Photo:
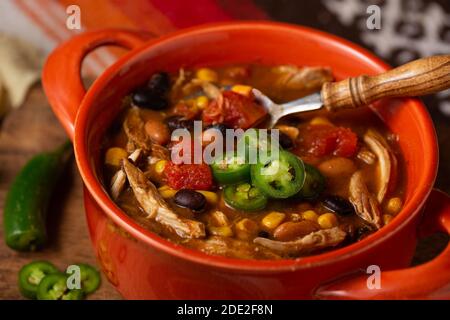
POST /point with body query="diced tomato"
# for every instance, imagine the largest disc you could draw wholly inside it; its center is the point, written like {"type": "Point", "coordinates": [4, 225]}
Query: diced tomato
{"type": "Point", "coordinates": [322, 140]}
{"type": "Point", "coordinates": [186, 111]}
{"type": "Point", "coordinates": [188, 176]}
{"type": "Point", "coordinates": [234, 110]}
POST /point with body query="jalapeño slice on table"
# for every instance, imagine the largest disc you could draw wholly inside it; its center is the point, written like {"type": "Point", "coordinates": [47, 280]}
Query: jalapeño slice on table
{"type": "Point", "coordinates": [31, 275]}
{"type": "Point", "coordinates": [54, 287]}
{"type": "Point", "coordinates": [90, 278]}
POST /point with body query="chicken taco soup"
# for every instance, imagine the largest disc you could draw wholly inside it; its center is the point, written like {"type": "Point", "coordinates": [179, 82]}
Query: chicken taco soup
{"type": "Point", "coordinates": [190, 158]}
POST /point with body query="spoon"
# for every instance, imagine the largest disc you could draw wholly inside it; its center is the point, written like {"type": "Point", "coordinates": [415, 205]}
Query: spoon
{"type": "Point", "coordinates": [416, 78]}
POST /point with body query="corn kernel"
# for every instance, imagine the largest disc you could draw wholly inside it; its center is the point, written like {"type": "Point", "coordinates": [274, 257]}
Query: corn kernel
{"type": "Point", "coordinates": [327, 220]}
{"type": "Point", "coordinates": [290, 131]}
{"type": "Point", "coordinates": [246, 229]}
{"type": "Point", "coordinates": [206, 74]}
{"type": "Point", "coordinates": [164, 188]}
{"type": "Point", "coordinates": [320, 121]}
{"type": "Point", "coordinates": [160, 165]}
{"type": "Point", "coordinates": [218, 219]}
{"type": "Point", "coordinates": [273, 219]}
{"type": "Point", "coordinates": [225, 231]}
{"type": "Point", "coordinates": [115, 155]}
{"type": "Point", "coordinates": [246, 224]}
{"type": "Point", "coordinates": [210, 196]}
{"type": "Point", "coordinates": [202, 102]}
{"type": "Point", "coordinates": [387, 218]}
{"type": "Point", "coordinates": [242, 89]}
{"type": "Point", "coordinates": [394, 205]}
{"type": "Point", "coordinates": [166, 192]}
{"type": "Point", "coordinates": [310, 215]}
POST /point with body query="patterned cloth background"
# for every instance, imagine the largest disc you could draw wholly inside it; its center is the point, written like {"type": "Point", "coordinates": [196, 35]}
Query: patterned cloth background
{"type": "Point", "coordinates": [409, 29]}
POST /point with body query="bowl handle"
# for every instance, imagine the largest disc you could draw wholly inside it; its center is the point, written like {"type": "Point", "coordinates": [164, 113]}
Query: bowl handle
{"type": "Point", "coordinates": [61, 76]}
{"type": "Point", "coordinates": [430, 280]}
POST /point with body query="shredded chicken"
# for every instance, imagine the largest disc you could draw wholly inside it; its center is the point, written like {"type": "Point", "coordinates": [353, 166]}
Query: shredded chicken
{"type": "Point", "coordinates": [138, 138]}
{"type": "Point", "coordinates": [307, 244]}
{"type": "Point", "coordinates": [303, 80]}
{"type": "Point", "coordinates": [365, 203]}
{"type": "Point", "coordinates": [218, 219]}
{"type": "Point", "coordinates": [208, 88]}
{"type": "Point", "coordinates": [157, 208]}
{"type": "Point", "coordinates": [232, 248]}
{"type": "Point", "coordinates": [180, 80]}
{"type": "Point", "coordinates": [367, 156]}
{"type": "Point", "coordinates": [117, 184]}
{"type": "Point", "coordinates": [387, 162]}
{"type": "Point", "coordinates": [152, 160]}
{"type": "Point", "coordinates": [119, 178]}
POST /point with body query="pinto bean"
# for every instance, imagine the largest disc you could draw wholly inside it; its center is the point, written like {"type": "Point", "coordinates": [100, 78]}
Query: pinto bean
{"type": "Point", "coordinates": [157, 131]}
{"type": "Point", "coordinates": [290, 231]}
{"type": "Point", "coordinates": [337, 167]}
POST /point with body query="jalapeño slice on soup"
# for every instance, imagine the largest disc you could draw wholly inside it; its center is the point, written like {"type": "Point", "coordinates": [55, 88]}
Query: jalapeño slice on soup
{"type": "Point", "coordinates": [230, 169]}
{"type": "Point", "coordinates": [245, 197]}
{"type": "Point", "coordinates": [279, 177]}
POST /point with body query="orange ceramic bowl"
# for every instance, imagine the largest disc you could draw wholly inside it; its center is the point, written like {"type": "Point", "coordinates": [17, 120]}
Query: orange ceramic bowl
{"type": "Point", "coordinates": [142, 265]}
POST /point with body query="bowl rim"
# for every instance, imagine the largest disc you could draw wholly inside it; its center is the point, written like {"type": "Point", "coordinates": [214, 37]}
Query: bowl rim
{"type": "Point", "coordinates": [102, 199]}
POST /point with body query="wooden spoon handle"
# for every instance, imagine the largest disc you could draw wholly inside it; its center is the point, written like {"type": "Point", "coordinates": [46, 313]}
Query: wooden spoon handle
{"type": "Point", "coordinates": [416, 78]}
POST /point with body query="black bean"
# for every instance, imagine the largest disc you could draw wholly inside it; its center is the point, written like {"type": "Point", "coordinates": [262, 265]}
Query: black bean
{"type": "Point", "coordinates": [285, 141]}
{"type": "Point", "coordinates": [355, 232]}
{"type": "Point", "coordinates": [190, 199]}
{"type": "Point", "coordinates": [350, 230]}
{"type": "Point", "coordinates": [263, 234]}
{"type": "Point", "coordinates": [159, 83]}
{"type": "Point", "coordinates": [338, 204]}
{"type": "Point", "coordinates": [363, 232]}
{"type": "Point", "coordinates": [146, 98]}
{"type": "Point", "coordinates": [178, 122]}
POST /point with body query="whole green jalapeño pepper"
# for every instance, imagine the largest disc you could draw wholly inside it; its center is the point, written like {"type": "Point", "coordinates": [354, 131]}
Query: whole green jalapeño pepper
{"type": "Point", "coordinates": [26, 205]}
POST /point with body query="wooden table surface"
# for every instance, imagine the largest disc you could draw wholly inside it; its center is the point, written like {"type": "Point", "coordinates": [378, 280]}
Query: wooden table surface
{"type": "Point", "coordinates": [33, 128]}
{"type": "Point", "coordinates": [30, 129]}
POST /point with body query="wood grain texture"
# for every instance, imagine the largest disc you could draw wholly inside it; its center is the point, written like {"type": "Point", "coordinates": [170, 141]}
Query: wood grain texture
{"type": "Point", "coordinates": [33, 128]}
{"type": "Point", "coordinates": [417, 78]}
